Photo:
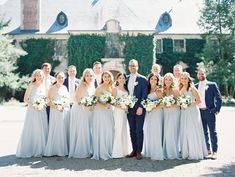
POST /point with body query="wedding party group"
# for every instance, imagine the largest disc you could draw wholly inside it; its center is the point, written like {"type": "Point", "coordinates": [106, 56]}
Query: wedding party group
{"type": "Point", "coordinates": [97, 117]}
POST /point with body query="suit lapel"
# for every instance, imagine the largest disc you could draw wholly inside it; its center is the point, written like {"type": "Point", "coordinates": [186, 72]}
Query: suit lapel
{"type": "Point", "coordinates": [136, 81]}
{"type": "Point", "coordinates": [67, 83]}
{"type": "Point", "coordinates": [127, 81]}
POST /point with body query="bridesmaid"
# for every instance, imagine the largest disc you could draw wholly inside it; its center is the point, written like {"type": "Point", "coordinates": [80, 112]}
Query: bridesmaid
{"type": "Point", "coordinates": [80, 125]}
{"type": "Point", "coordinates": [192, 140]}
{"type": "Point", "coordinates": [120, 144]}
{"type": "Point", "coordinates": [57, 143]}
{"type": "Point", "coordinates": [171, 116]}
{"type": "Point", "coordinates": [34, 135]}
{"type": "Point", "coordinates": [103, 125]}
{"type": "Point", "coordinates": [153, 124]}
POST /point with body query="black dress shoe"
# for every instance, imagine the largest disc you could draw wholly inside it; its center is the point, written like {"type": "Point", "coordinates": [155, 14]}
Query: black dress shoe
{"type": "Point", "coordinates": [132, 154]}
{"type": "Point", "coordinates": [139, 156]}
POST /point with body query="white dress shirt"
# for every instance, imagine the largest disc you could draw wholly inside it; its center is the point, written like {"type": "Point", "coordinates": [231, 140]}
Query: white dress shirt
{"type": "Point", "coordinates": [131, 83]}
{"type": "Point", "coordinates": [202, 91]}
{"type": "Point", "coordinates": [47, 83]}
{"type": "Point", "coordinates": [71, 86]}
{"type": "Point", "coordinates": [98, 79]}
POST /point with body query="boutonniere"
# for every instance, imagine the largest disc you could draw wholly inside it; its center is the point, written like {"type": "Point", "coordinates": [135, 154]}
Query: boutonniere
{"type": "Point", "coordinates": [136, 83]}
{"type": "Point", "coordinates": [206, 87]}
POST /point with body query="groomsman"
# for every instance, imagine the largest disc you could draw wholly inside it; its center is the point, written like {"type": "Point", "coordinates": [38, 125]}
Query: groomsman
{"type": "Point", "coordinates": [97, 68]}
{"type": "Point", "coordinates": [177, 71]}
{"type": "Point", "coordinates": [156, 70]}
{"type": "Point", "coordinates": [209, 108]}
{"type": "Point", "coordinates": [47, 81]}
{"type": "Point", "coordinates": [137, 85]}
{"type": "Point", "coordinates": [71, 82]}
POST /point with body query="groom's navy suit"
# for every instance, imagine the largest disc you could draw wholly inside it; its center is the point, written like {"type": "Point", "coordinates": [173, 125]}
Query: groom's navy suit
{"type": "Point", "coordinates": [136, 122]}
{"type": "Point", "coordinates": [213, 103]}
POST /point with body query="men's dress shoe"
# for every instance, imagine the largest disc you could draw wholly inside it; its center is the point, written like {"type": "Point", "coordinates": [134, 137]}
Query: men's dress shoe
{"type": "Point", "coordinates": [132, 154]}
{"type": "Point", "coordinates": [209, 154]}
{"type": "Point", "coordinates": [139, 156]}
{"type": "Point", "coordinates": [214, 156]}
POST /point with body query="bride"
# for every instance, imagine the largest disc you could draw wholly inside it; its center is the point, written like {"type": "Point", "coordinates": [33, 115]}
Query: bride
{"type": "Point", "coordinates": [120, 144]}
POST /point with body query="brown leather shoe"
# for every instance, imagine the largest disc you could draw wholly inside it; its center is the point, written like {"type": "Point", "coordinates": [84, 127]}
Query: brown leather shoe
{"type": "Point", "coordinates": [209, 152]}
{"type": "Point", "coordinates": [132, 154]}
{"type": "Point", "coordinates": [139, 156]}
{"type": "Point", "coordinates": [214, 156]}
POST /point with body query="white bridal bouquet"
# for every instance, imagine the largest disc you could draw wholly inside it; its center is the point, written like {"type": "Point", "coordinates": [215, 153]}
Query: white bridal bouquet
{"type": "Point", "coordinates": [40, 103]}
{"type": "Point", "coordinates": [149, 104]}
{"type": "Point", "coordinates": [88, 100]}
{"type": "Point", "coordinates": [106, 98]}
{"type": "Point", "coordinates": [126, 101]}
{"type": "Point", "coordinates": [168, 100]}
{"type": "Point", "coordinates": [62, 103]}
{"type": "Point", "coordinates": [184, 101]}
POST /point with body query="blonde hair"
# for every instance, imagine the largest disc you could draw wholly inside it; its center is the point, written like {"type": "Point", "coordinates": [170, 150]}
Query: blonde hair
{"type": "Point", "coordinates": [111, 76]}
{"type": "Point", "coordinates": [35, 73]}
{"type": "Point", "coordinates": [173, 81]}
{"type": "Point", "coordinates": [189, 82]}
{"type": "Point", "coordinates": [84, 74]}
{"type": "Point", "coordinates": [134, 61]}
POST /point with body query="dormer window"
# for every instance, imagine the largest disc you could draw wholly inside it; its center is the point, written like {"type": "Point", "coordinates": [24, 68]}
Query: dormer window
{"type": "Point", "coordinates": [61, 18]}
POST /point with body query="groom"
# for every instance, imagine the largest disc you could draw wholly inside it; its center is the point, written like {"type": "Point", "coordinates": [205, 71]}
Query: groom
{"type": "Point", "coordinates": [137, 85]}
{"type": "Point", "coordinates": [209, 108]}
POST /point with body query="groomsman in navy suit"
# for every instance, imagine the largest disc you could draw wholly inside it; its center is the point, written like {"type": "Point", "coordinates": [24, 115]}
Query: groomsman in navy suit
{"type": "Point", "coordinates": [209, 108]}
{"type": "Point", "coordinates": [136, 85]}
{"type": "Point", "coordinates": [71, 82]}
{"type": "Point", "coordinates": [97, 68]}
{"type": "Point", "coordinates": [48, 81]}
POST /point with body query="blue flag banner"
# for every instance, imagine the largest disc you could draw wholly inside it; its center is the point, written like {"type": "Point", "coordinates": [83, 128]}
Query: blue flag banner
{"type": "Point", "coordinates": [164, 23]}
{"type": "Point", "coordinates": [94, 2]}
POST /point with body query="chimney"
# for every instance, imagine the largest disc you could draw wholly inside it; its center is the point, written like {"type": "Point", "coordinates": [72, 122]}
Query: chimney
{"type": "Point", "coordinates": [30, 14]}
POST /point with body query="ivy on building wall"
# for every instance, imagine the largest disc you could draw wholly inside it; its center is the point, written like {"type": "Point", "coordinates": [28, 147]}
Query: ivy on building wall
{"type": "Point", "coordinates": [84, 49]}
{"type": "Point", "coordinates": [139, 47]}
{"type": "Point", "coordinates": [39, 51]}
{"type": "Point", "coordinates": [169, 58]}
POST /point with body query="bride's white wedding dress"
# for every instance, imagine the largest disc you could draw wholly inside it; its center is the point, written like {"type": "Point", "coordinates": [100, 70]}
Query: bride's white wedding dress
{"type": "Point", "coordinates": [121, 143]}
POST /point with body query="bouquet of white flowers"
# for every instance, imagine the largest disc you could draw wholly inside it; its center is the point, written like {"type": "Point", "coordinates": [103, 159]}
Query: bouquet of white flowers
{"type": "Point", "coordinates": [40, 103]}
{"type": "Point", "coordinates": [62, 103]}
{"type": "Point", "coordinates": [149, 104]}
{"type": "Point", "coordinates": [88, 100]}
{"type": "Point", "coordinates": [184, 101]}
{"type": "Point", "coordinates": [106, 98]}
{"type": "Point", "coordinates": [126, 101]}
{"type": "Point", "coordinates": [168, 100]}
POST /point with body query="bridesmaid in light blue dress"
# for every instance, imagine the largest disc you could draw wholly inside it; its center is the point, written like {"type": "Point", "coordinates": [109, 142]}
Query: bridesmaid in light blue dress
{"type": "Point", "coordinates": [34, 135]}
{"type": "Point", "coordinates": [80, 119]}
{"type": "Point", "coordinates": [103, 124]}
{"type": "Point", "coordinates": [57, 143]}
{"type": "Point", "coordinates": [153, 123]}
{"type": "Point", "coordinates": [171, 116]}
{"type": "Point", "coordinates": [192, 140]}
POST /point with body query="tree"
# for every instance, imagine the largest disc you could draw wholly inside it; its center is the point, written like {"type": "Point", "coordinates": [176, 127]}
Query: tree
{"type": "Point", "coordinates": [218, 21]}
{"type": "Point", "coordinates": [10, 80]}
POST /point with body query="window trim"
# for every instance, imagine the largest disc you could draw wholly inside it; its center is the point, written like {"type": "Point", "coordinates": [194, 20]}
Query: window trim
{"type": "Point", "coordinates": [183, 49]}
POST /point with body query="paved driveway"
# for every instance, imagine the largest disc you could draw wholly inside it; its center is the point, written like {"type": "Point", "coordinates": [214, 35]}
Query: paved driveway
{"type": "Point", "coordinates": [11, 122]}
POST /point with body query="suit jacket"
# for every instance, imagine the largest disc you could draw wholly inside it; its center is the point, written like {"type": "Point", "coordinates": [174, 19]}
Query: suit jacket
{"type": "Point", "coordinates": [212, 96]}
{"type": "Point", "coordinates": [140, 90]}
{"type": "Point", "coordinates": [66, 82]}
